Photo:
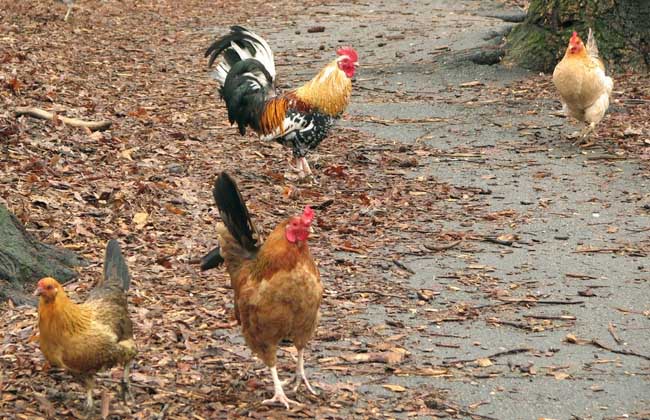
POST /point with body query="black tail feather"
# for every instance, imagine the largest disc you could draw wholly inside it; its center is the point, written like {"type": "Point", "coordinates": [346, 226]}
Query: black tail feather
{"type": "Point", "coordinates": [115, 268]}
{"type": "Point", "coordinates": [238, 36]}
{"type": "Point", "coordinates": [235, 217]}
{"type": "Point", "coordinates": [234, 212]}
{"type": "Point", "coordinates": [212, 260]}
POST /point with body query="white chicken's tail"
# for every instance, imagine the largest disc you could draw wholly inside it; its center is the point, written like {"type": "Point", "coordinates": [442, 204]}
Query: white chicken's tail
{"type": "Point", "coordinates": [592, 48]}
{"type": "Point", "coordinates": [240, 45]}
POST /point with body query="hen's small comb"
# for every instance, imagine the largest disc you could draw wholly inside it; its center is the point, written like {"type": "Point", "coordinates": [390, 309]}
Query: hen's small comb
{"type": "Point", "coordinates": [307, 215]}
{"type": "Point", "coordinates": [350, 52]}
{"type": "Point", "coordinates": [575, 38]}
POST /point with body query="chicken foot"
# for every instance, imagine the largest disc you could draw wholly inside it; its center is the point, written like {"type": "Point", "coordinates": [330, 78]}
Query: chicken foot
{"type": "Point", "coordinates": [300, 374]}
{"type": "Point", "coordinates": [279, 396]}
{"type": "Point", "coordinates": [302, 167]}
{"type": "Point", "coordinates": [305, 166]}
{"type": "Point", "coordinates": [585, 134]}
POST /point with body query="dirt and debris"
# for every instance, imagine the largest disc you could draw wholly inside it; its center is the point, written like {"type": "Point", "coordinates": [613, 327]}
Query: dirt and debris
{"type": "Point", "coordinates": [476, 264]}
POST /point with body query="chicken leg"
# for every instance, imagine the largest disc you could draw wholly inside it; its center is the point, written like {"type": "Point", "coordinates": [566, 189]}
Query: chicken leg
{"type": "Point", "coordinates": [298, 168]}
{"type": "Point", "coordinates": [300, 374]}
{"type": "Point", "coordinates": [68, 3]}
{"type": "Point", "coordinates": [305, 166]}
{"type": "Point", "coordinates": [89, 383]}
{"type": "Point", "coordinates": [585, 134]}
{"type": "Point", "coordinates": [302, 167]}
{"type": "Point", "coordinates": [279, 396]}
{"type": "Point", "coordinates": [126, 384]}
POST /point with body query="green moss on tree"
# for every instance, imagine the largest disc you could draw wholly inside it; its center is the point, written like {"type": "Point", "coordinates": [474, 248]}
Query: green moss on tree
{"type": "Point", "coordinates": [621, 28]}
{"type": "Point", "coordinates": [24, 260]}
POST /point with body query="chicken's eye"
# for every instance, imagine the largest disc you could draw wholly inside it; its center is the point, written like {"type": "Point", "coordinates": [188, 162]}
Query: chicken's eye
{"type": "Point", "coordinates": [50, 287]}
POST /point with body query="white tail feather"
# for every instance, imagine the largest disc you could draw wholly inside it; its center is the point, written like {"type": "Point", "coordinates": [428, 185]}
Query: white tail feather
{"type": "Point", "coordinates": [592, 48]}
{"type": "Point", "coordinates": [262, 53]}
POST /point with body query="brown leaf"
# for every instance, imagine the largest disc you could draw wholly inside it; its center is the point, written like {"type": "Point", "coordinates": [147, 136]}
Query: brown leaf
{"type": "Point", "coordinates": [46, 406]}
{"type": "Point", "coordinates": [484, 362]}
{"type": "Point", "coordinates": [140, 220]}
{"type": "Point", "coordinates": [560, 376]}
{"type": "Point", "coordinates": [335, 171]}
{"type": "Point", "coordinates": [395, 388]}
{"type": "Point", "coordinates": [389, 357]}
{"type": "Point", "coordinates": [175, 210]}
{"type": "Point", "coordinates": [14, 85]}
{"type": "Point", "coordinates": [165, 262]}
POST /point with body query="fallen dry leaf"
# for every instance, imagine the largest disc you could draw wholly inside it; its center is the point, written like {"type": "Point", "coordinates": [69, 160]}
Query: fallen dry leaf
{"type": "Point", "coordinates": [395, 388]}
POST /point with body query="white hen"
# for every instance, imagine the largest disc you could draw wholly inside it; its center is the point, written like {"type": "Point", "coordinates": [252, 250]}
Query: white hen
{"type": "Point", "coordinates": [583, 86]}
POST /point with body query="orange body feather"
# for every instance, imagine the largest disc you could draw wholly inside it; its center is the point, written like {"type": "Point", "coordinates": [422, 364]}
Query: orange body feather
{"type": "Point", "coordinates": [328, 92]}
{"type": "Point", "coordinates": [95, 335]}
{"type": "Point", "coordinates": [278, 290]}
{"type": "Point", "coordinates": [581, 81]}
{"type": "Point", "coordinates": [85, 338]}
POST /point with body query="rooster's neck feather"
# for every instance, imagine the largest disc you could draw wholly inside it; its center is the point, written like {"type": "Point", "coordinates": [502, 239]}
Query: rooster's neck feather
{"type": "Point", "coordinates": [329, 91]}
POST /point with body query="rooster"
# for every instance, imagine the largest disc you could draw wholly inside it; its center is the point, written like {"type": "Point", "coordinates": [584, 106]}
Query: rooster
{"type": "Point", "coordinates": [97, 334]}
{"type": "Point", "coordinates": [300, 118]}
{"type": "Point", "coordinates": [584, 88]}
{"type": "Point", "coordinates": [277, 285]}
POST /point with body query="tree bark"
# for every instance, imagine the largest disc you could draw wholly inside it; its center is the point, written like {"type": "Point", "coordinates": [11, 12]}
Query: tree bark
{"type": "Point", "coordinates": [25, 260]}
{"type": "Point", "coordinates": [621, 28]}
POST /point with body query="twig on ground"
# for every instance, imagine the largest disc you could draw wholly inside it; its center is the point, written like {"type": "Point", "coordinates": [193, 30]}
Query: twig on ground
{"type": "Point", "coordinates": [162, 413]}
{"type": "Point", "coordinates": [402, 266]}
{"type": "Point", "coordinates": [354, 292]}
{"type": "Point", "coordinates": [436, 403]}
{"type": "Point", "coordinates": [625, 352]}
{"type": "Point", "coordinates": [493, 356]}
{"type": "Point", "coordinates": [553, 317]}
{"type": "Point", "coordinates": [498, 241]}
{"type": "Point", "coordinates": [511, 323]}
{"type": "Point", "coordinates": [41, 114]}
{"type": "Point", "coordinates": [612, 331]}
{"type": "Point", "coordinates": [442, 247]}
{"type": "Point", "coordinates": [543, 302]}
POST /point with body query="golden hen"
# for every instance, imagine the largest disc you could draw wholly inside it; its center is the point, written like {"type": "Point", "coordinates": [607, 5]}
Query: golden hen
{"type": "Point", "coordinates": [583, 86]}
{"type": "Point", "coordinates": [277, 285]}
{"type": "Point", "coordinates": [92, 336]}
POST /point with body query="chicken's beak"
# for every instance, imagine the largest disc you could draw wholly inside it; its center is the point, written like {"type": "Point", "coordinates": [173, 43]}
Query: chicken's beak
{"type": "Point", "coordinates": [38, 292]}
{"type": "Point", "coordinates": [311, 229]}
{"type": "Point", "coordinates": [356, 64]}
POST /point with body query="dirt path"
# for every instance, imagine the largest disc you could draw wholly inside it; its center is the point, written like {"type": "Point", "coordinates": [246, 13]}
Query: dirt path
{"type": "Point", "coordinates": [470, 253]}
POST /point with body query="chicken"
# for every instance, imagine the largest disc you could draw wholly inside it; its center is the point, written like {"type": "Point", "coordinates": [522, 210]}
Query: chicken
{"type": "Point", "coordinates": [95, 335]}
{"type": "Point", "coordinates": [584, 88]}
{"type": "Point", "coordinates": [300, 118]}
{"type": "Point", "coordinates": [277, 285]}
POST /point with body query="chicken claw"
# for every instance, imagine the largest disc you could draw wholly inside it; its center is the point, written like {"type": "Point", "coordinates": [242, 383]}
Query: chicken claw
{"type": "Point", "coordinates": [282, 399]}
{"type": "Point", "coordinates": [584, 136]}
{"type": "Point", "coordinates": [300, 375]}
{"type": "Point", "coordinates": [279, 396]}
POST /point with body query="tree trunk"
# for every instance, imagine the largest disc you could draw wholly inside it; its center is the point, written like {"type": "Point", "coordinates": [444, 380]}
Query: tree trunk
{"type": "Point", "coordinates": [25, 260]}
{"type": "Point", "coordinates": [621, 28]}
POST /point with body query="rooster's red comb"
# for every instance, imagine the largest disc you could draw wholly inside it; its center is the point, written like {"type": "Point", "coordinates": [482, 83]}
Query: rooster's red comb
{"type": "Point", "coordinates": [350, 52]}
{"type": "Point", "coordinates": [307, 215]}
